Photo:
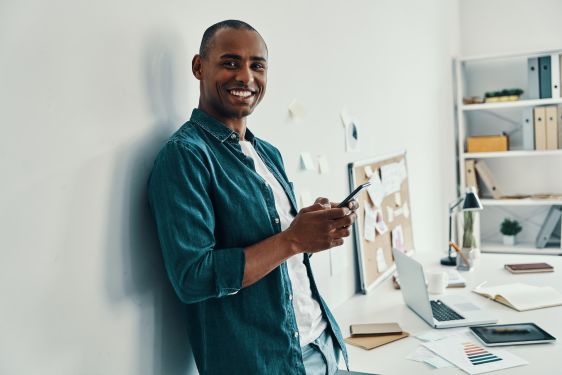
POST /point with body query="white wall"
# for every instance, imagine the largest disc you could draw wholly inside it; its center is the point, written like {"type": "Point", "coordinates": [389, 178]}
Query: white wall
{"type": "Point", "coordinates": [509, 26]}
{"type": "Point", "coordinates": [90, 90]}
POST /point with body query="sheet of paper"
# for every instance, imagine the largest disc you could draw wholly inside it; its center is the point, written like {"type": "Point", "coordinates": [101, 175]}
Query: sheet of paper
{"type": "Point", "coordinates": [323, 165]}
{"type": "Point", "coordinates": [392, 177]}
{"type": "Point", "coordinates": [397, 199]}
{"type": "Point", "coordinates": [376, 191]}
{"type": "Point", "coordinates": [430, 336]}
{"type": "Point", "coordinates": [352, 137]}
{"type": "Point", "coordinates": [307, 163]}
{"type": "Point", "coordinates": [438, 362]}
{"type": "Point", "coordinates": [305, 199]}
{"type": "Point", "coordinates": [296, 110]}
{"type": "Point", "coordinates": [464, 352]}
{"type": "Point", "coordinates": [422, 354]}
{"type": "Point", "coordinates": [369, 229]}
{"type": "Point", "coordinates": [381, 262]}
{"type": "Point", "coordinates": [368, 171]}
{"type": "Point", "coordinates": [380, 225]}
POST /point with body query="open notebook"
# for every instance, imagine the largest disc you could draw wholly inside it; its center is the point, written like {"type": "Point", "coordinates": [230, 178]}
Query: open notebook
{"type": "Point", "coordinates": [521, 297]}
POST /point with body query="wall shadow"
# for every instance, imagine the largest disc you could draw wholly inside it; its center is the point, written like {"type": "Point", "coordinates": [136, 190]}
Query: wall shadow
{"type": "Point", "coordinates": [135, 268]}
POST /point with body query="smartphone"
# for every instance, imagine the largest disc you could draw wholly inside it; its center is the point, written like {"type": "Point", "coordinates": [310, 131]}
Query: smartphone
{"type": "Point", "coordinates": [354, 193]}
{"type": "Point", "coordinates": [375, 329]}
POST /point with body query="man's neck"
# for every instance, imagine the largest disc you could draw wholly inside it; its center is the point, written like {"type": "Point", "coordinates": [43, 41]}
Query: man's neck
{"type": "Point", "coordinates": [236, 124]}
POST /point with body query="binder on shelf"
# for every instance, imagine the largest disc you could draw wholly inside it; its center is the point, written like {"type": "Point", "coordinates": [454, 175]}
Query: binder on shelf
{"type": "Point", "coordinates": [545, 78]}
{"type": "Point", "coordinates": [488, 179]}
{"type": "Point", "coordinates": [559, 122]}
{"type": "Point", "coordinates": [555, 71]}
{"type": "Point", "coordinates": [551, 118]}
{"type": "Point", "coordinates": [540, 128]}
{"type": "Point", "coordinates": [549, 226]}
{"type": "Point", "coordinates": [528, 128]}
{"type": "Point", "coordinates": [533, 78]}
{"type": "Point", "coordinates": [470, 174]}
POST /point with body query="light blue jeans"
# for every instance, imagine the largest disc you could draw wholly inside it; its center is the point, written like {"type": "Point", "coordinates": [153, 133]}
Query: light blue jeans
{"type": "Point", "coordinates": [321, 356]}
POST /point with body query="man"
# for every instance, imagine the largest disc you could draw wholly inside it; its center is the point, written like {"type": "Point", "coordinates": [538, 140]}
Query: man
{"type": "Point", "coordinates": [235, 249]}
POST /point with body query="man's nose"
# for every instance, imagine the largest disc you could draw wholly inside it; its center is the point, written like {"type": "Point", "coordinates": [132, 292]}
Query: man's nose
{"type": "Point", "coordinates": [245, 74]}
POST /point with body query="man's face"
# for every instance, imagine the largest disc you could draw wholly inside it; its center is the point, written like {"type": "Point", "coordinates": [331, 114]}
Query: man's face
{"type": "Point", "coordinates": [233, 75]}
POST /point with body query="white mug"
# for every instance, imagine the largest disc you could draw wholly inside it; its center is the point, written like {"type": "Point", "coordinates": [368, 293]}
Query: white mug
{"type": "Point", "coordinates": [437, 282]}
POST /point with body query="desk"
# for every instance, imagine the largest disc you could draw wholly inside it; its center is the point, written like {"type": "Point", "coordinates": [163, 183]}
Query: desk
{"type": "Point", "coordinates": [385, 304]}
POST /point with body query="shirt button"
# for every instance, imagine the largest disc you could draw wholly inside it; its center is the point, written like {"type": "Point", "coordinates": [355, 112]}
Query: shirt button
{"type": "Point", "coordinates": [233, 136]}
{"type": "Point", "coordinates": [276, 220]}
{"type": "Point", "coordinates": [296, 334]}
{"type": "Point", "coordinates": [290, 297]}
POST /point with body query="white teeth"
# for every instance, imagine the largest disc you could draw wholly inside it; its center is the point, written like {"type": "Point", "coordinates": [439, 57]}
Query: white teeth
{"type": "Point", "coordinates": [242, 94]}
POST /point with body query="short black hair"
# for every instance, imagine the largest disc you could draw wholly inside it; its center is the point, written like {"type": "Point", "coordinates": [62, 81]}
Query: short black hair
{"type": "Point", "coordinates": [208, 35]}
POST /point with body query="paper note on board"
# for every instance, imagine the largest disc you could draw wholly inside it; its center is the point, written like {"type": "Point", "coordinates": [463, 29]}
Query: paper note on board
{"type": "Point", "coordinates": [376, 191]}
{"type": "Point", "coordinates": [380, 225]}
{"type": "Point", "coordinates": [398, 238]}
{"type": "Point", "coordinates": [397, 199]}
{"type": "Point", "coordinates": [390, 214]}
{"type": "Point", "coordinates": [368, 171]}
{"type": "Point", "coordinates": [406, 210]}
{"type": "Point", "coordinates": [392, 176]}
{"type": "Point", "coordinates": [369, 229]}
{"type": "Point", "coordinates": [381, 262]}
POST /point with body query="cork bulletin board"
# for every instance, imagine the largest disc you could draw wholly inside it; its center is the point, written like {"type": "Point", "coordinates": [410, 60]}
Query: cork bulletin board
{"type": "Point", "coordinates": [384, 217]}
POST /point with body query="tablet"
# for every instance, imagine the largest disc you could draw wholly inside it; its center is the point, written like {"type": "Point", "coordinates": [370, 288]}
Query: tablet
{"type": "Point", "coordinates": [511, 334]}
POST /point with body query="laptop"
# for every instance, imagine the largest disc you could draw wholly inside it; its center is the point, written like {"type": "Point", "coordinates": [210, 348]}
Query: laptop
{"type": "Point", "coordinates": [445, 312]}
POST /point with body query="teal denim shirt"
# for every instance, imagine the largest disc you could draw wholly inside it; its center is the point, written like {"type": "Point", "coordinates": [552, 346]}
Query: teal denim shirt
{"type": "Point", "coordinates": [209, 204]}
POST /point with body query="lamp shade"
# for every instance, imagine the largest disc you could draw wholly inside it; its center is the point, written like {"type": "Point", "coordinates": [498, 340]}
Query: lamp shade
{"type": "Point", "coordinates": [471, 201]}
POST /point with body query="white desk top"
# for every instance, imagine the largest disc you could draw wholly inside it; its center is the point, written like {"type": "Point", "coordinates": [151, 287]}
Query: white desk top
{"type": "Point", "coordinates": [385, 304]}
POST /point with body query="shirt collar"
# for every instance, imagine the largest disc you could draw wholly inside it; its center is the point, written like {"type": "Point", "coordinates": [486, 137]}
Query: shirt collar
{"type": "Point", "coordinates": [217, 129]}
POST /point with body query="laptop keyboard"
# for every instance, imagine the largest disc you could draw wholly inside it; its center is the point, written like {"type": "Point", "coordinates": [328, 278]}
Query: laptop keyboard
{"type": "Point", "coordinates": [442, 312]}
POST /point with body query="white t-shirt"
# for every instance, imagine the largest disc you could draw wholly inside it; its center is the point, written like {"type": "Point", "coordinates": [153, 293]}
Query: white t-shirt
{"type": "Point", "coordinates": [307, 310]}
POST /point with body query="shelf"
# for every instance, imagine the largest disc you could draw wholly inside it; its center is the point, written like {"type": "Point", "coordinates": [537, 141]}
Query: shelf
{"type": "Point", "coordinates": [514, 104]}
{"type": "Point", "coordinates": [510, 154]}
{"type": "Point", "coordinates": [521, 202]}
{"type": "Point", "coordinates": [524, 248]}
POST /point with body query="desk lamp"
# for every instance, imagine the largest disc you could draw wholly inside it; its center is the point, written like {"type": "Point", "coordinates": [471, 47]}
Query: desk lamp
{"type": "Point", "coordinates": [470, 202]}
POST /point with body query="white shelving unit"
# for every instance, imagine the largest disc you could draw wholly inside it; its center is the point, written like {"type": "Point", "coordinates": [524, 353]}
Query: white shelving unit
{"type": "Point", "coordinates": [475, 76]}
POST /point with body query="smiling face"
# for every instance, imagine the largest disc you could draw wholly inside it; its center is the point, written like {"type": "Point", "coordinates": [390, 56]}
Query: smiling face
{"type": "Point", "coordinates": [232, 75]}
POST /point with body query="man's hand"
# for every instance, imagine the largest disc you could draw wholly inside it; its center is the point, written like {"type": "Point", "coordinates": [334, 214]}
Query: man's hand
{"type": "Point", "coordinates": [320, 226]}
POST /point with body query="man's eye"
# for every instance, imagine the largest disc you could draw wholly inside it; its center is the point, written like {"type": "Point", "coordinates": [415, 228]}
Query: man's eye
{"type": "Point", "coordinates": [229, 64]}
{"type": "Point", "coordinates": [259, 66]}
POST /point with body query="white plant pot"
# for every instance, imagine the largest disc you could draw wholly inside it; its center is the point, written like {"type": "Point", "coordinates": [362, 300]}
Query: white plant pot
{"type": "Point", "coordinates": [509, 240]}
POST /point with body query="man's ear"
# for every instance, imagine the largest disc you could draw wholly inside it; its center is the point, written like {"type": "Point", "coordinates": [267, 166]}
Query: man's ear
{"type": "Point", "coordinates": [196, 66]}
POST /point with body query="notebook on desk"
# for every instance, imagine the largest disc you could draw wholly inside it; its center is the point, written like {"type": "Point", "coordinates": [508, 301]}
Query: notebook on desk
{"type": "Point", "coordinates": [521, 297]}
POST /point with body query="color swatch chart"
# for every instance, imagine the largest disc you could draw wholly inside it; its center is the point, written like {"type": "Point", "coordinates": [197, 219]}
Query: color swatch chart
{"type": "Point", "coordinates": [464, 352]}
{"type": "Point", "coordinates": [478, 355]}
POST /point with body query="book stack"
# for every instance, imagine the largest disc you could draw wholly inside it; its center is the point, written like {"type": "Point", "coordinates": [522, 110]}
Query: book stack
{"type": "Point", "coordinates": [547, 125]}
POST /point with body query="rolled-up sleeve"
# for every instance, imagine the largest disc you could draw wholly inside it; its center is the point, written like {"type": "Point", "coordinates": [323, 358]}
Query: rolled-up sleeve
{"type": "Point", "coordinates": [178, 191]}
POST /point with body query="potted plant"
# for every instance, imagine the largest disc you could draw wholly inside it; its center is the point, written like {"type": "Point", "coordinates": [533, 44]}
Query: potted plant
{"type": "Point", "coordinates": [509, 229]}
{"type": "Point", "coordinates": [468, 239]}
{"type": "Point", "coordinates": [470, 249]}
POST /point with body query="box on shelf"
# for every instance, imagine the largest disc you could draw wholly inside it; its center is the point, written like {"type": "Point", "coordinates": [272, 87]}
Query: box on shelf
{"type": "Point", "coordinates": [487, 143]}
